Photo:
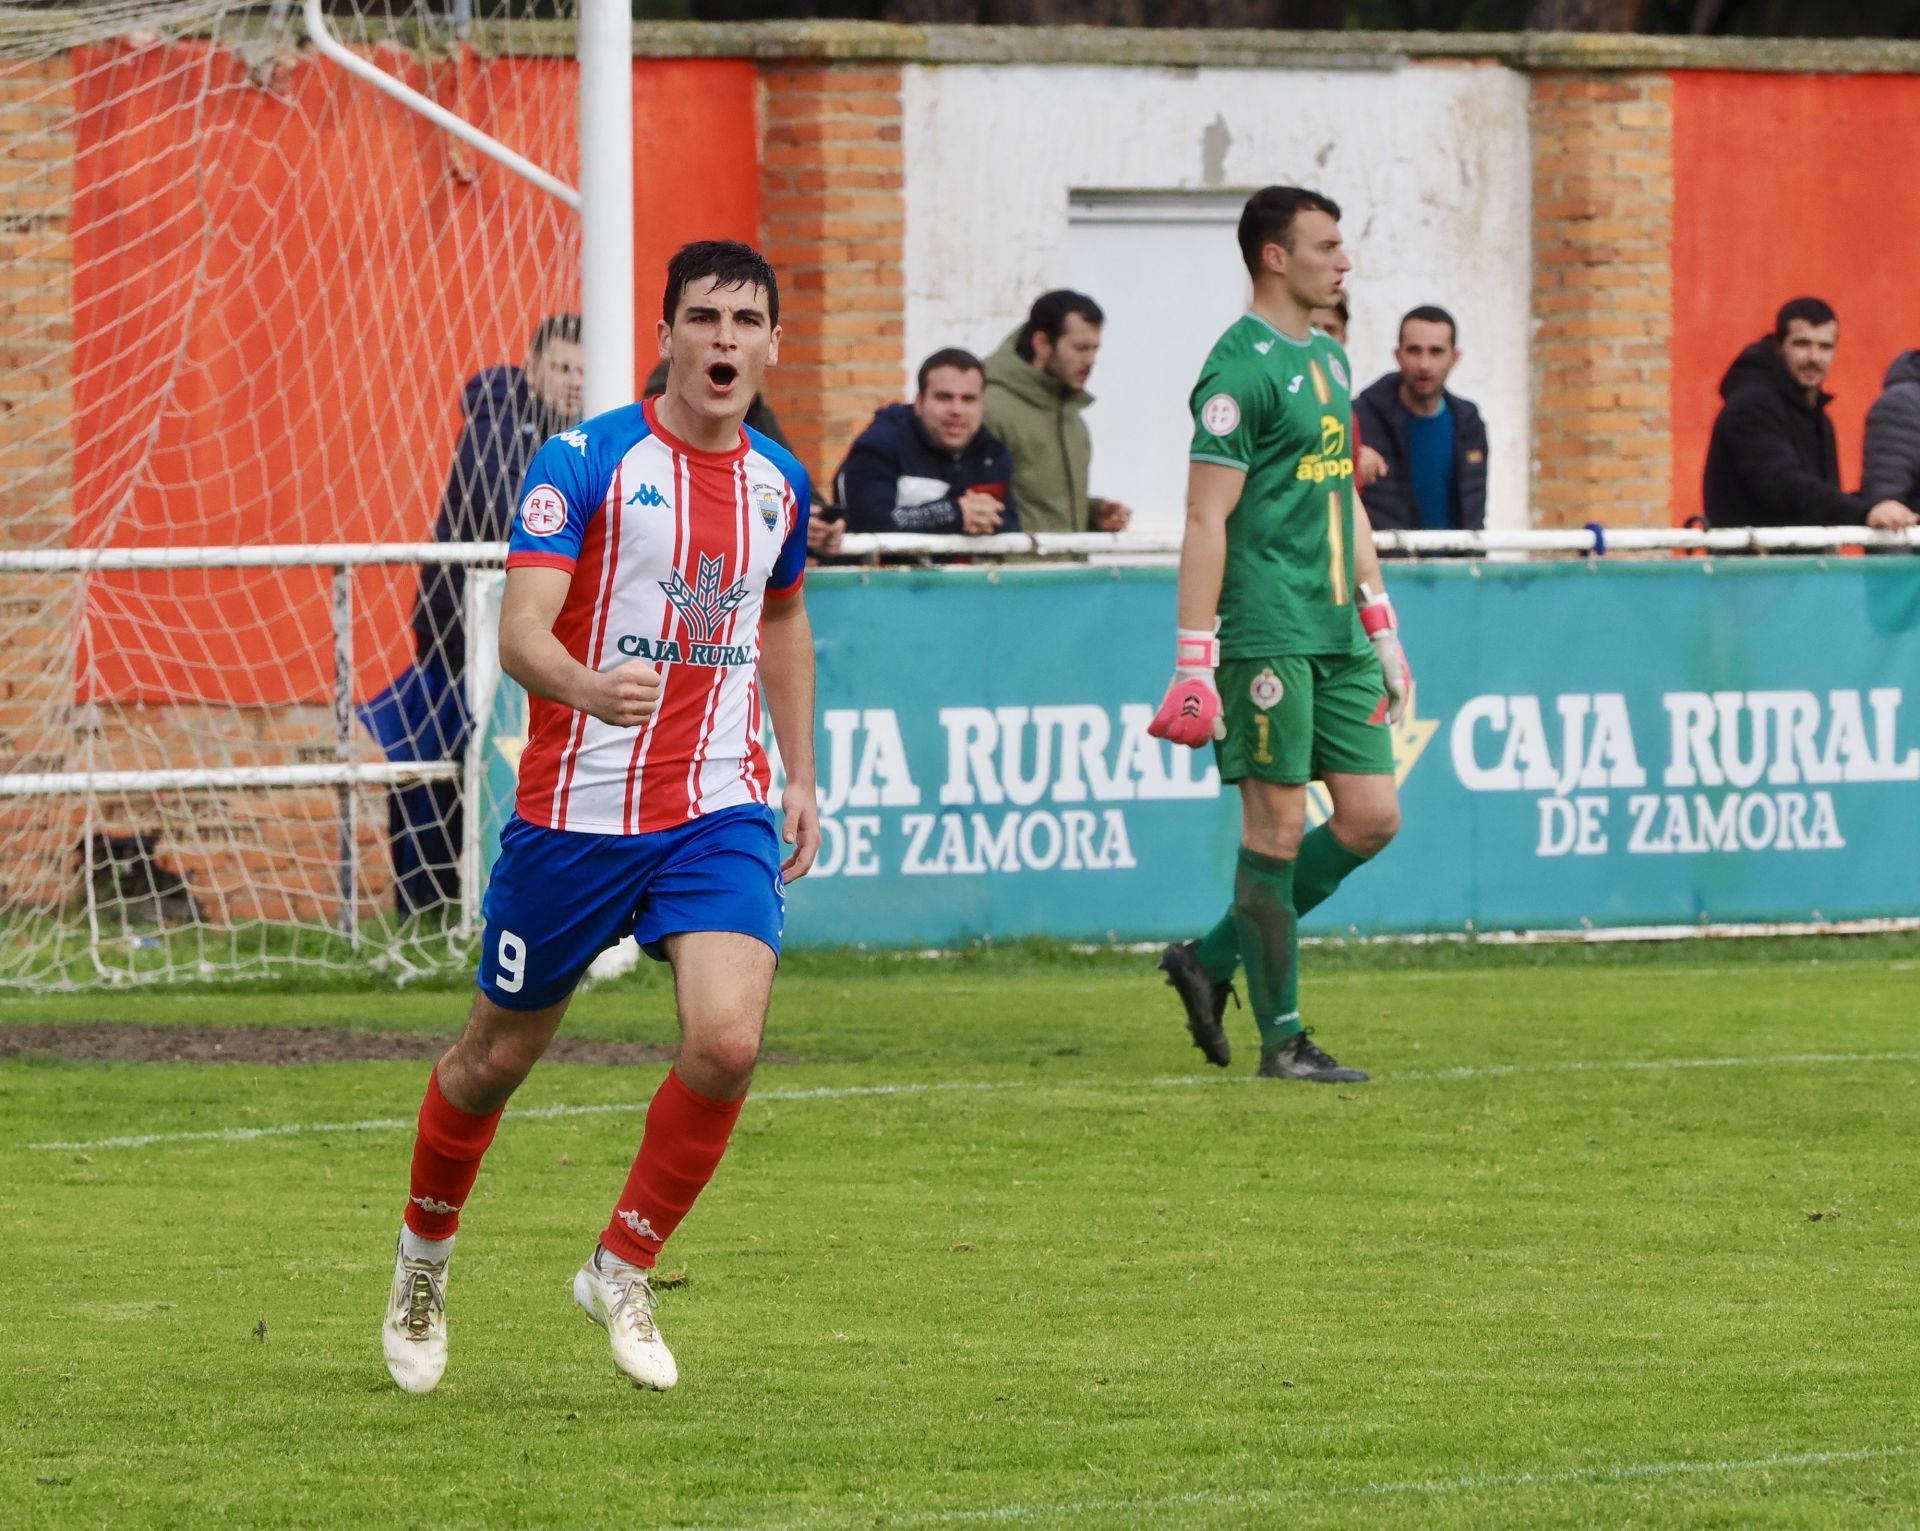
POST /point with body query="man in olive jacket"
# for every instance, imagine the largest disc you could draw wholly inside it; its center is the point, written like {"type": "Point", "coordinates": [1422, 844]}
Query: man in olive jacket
{"type": "Point", "coordinates": [1036, 390]}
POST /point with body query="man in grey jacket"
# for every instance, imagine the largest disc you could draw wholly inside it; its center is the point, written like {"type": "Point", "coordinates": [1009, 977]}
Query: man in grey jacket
{"type": "Point", "coordinates": [1891, 470]}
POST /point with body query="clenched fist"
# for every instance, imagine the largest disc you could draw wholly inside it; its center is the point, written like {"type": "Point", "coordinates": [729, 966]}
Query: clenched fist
{"type": "Point", "coordinates": [625, 696]}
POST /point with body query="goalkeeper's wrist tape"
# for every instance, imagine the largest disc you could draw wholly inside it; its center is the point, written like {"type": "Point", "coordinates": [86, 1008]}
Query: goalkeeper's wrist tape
{"type": "Point", "coordinates": [1194, 650]}
{"type": "Point", "coordinates": [1376, 613]}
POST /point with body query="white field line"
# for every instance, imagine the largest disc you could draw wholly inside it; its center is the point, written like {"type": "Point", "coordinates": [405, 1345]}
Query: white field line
{"type": "Point", "coordinates": [995, 1086]}
{"type": "Point", "coordinates": [1137, 1511]}
{"type": "Point", "coordinates": [1812, 967]}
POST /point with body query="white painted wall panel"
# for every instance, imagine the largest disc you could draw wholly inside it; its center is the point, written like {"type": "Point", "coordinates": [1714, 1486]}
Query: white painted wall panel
{"type": "Point", "coordinates": [1430, 165]}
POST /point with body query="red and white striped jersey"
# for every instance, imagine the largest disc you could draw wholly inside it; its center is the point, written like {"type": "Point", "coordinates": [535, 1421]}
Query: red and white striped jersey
{"type": "Point", "coordinates": [672, 551]}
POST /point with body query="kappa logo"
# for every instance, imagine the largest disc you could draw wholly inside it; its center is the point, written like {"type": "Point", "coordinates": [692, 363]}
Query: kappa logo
{"type": "Point", "coordinates": [704, 604]}
{"type": "Point", "coordinates": [639, 1226]}
{"type": "Point", "coordinates": [647, 497]}
{"type": "Point", "coordinates": [575, 438]}
{"type": "Point", "coordinates": [428, 1204]}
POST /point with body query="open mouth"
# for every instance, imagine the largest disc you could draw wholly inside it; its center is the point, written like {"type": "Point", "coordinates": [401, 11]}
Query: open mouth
{"type": "Point", "coordinates": [722, 375]}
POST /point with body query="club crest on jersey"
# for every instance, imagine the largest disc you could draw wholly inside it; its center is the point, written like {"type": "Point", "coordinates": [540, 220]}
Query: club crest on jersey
{"type": "Point", "coordinates": [544, 511]}
{"type": "Point", "coordinates": [1220, 414]}
{"type": "Point", "coordinates": [767, 499]}
{"type": "Point", "coordinates": [1339, 372]}
{"type": "Point", "coordinates": [704, 605]}
{"type": "Point", "coordinates": [1266, 689]}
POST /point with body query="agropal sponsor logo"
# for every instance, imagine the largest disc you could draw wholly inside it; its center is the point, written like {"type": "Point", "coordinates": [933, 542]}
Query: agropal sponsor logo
{"type": "Point", "coordinates": [1743, 770]}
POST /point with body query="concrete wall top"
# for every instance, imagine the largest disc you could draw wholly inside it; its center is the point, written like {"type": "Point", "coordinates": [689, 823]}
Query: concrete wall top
{"type": "Point", "coordinates": [827, 41]}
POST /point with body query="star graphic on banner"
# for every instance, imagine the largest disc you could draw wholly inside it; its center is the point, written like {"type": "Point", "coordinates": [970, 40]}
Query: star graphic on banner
{"type": "Point", "coordinates": [1411, 735]}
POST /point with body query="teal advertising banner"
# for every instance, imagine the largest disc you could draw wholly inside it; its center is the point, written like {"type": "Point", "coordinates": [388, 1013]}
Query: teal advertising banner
{"type": "Point", "coordinates": [1592, 744]}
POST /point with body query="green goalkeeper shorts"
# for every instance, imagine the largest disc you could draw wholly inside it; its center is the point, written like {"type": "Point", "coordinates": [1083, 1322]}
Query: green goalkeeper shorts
{"type": "Point", "coordinates": [1292, 720]}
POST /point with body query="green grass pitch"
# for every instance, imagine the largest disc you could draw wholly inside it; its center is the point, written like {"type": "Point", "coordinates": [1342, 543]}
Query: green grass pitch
{"type": "Point", "coordinates": [1614, 1238]}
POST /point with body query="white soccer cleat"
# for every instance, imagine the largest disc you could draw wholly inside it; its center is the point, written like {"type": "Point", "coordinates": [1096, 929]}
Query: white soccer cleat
{"type": "Point", "coordinates": [616, 1296]}
{"type": "Point", "coordinates": [415, 1333]}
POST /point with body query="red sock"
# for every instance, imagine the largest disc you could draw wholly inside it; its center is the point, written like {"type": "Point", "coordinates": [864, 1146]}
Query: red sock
{"type": "Point", "coordinates": [446, 1159]}
{"type": "Point", "coordinates": [686, 1133]}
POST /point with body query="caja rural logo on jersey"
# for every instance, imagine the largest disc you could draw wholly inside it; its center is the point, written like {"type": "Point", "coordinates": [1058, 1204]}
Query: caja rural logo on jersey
{"type": "Point", "coordinates": [704, 606]}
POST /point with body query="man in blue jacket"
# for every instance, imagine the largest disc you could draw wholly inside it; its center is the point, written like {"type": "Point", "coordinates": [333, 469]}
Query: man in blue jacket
{"type": "Point", "coordinates": [507, 413]}
{"type": "Point", "coordinates": [1434, 441]}
{"type": "Point", "coordinates": [932, 465]}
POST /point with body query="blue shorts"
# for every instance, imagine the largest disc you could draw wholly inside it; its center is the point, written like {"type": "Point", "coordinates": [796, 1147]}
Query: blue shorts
{"type": "Point", "coordinates": [558, 898]}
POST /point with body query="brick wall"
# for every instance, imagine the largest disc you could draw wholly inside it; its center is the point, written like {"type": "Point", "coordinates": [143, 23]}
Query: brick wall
{"type": "Point", "coordinates": [834, 225]}
{"type": "Point", "coordinates": [1602, 298]}
{"type": "Point", "coordinates": [37, 836]}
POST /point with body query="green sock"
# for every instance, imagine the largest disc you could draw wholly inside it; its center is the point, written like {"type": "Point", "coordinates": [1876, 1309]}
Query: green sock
{"type": "Point", "coordinates": [1218, 951]}
{"type": "Point", "coordinates": [1323, 864]}
{"type": "Point", "coordinates": [1269, 936]}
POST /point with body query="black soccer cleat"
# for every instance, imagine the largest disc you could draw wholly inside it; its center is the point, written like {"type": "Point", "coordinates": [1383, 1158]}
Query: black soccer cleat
{"type": "Point", "coordinates": [1205, 1001]}
{"type": "Point", "coordinates": [1298, 1058]}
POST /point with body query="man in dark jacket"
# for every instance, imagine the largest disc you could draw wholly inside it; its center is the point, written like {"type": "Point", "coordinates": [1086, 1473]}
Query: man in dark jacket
{"type": "Point", "coordinates": [932, 465]}
{"type": "Point", "coordinates": [1891, 470]}
{"type": "Point", "coordinates": [1434, 442]}
{"type": "Point", "coordinates": [1773, 460]}
{"type": "Point", "coordinates": [507, 412]}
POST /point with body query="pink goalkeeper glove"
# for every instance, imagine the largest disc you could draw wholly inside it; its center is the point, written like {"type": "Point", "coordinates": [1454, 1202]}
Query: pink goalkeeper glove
{"type": "Point", "coordinates": [1383, 632]}
{"type": "Point", "coordinates": [1190, 715]}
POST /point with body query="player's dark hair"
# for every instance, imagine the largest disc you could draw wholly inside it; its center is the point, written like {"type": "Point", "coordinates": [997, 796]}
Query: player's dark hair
{"type": "Point", "coordinates": [1267, 219]}
{"type": "Point", "coordinates": [730, 264]}
{"type": "Point", "coordinates": [1813, 310]}
{"type": "Point", "coordinates": [1431, 313]}
{"type": "Point", "coordinates": [952, 356]}
{"type": "Point", "coordinates": [564, 327]}
{"type": "Point", "coordinates": [1049, 316]}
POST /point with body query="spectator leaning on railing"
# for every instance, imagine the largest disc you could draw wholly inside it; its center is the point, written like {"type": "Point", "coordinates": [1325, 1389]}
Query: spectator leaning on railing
{"type": "Point", "coordinates": [1891, 471]}
{"type": "Point", "coordinates": [1773, 459]}
{"type": "Point", "coordinates": [1036, 392]}
{"type": "Point", "coordinates": [506, 412]}
{"type": "Point", "coordinates": [1434, 442]}
{"type": "Point", "coordinates": [931, 466]}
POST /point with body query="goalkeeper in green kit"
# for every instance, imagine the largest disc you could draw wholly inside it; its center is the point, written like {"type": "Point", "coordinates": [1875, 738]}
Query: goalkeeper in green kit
{"type": "Point", "coordinates": [1288, 657]}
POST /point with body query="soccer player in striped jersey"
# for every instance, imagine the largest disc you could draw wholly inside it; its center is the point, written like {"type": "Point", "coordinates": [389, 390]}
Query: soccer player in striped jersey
{"type": "Point", "coordinates": [653, 606]}
{"type": "Point", "coordinates": [1287, 656]}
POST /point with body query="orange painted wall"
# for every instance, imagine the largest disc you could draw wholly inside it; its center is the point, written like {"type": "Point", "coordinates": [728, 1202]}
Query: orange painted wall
{"type": "Point", "coordinates": [1785, 185]}
{"type": "Point", "coordinates": [276, 335]}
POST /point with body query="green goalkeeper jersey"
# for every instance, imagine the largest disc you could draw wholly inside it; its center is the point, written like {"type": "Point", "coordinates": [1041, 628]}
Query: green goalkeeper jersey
{"type": "Point", "coordinates": [1281, 410]}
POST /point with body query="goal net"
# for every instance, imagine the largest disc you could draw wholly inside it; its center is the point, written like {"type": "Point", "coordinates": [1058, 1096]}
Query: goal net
{"type": "Point", "coordinates": [248, 302]}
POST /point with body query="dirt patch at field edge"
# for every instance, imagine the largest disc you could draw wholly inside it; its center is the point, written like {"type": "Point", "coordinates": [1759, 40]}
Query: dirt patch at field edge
{"type": "Point", "coordinates": [125, 1042]}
